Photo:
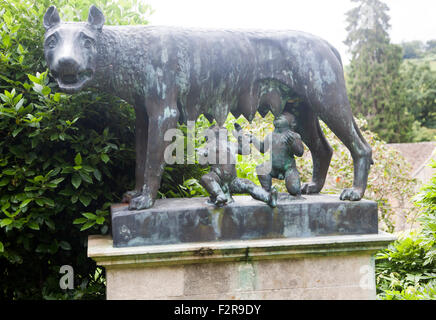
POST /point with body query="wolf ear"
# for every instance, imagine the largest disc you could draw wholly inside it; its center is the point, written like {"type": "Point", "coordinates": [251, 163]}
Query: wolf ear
{"type": "Point", "coordinates": [51, 18]}
{"type": "Point", "coordinates": [95, 18]}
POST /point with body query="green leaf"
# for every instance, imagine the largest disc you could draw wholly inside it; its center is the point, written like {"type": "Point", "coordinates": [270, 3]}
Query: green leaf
{"type": "Point", "coordinates": [38, 178]}
{"type": "Point", "coordinates": [87, 225]}
{"type": "Point", "coordinates": [6, 212]}
{"type": "Point", "coordinates": [57, 181]}
{"type": "Point", "coordinates": [66, 192]}
{"type": "Point", "coordinates": [78, 159]}
{"type": "Point", "coordinates": [104, 229]}
{"type": "Point", "coordinates": [80, 220]}
{"type": "Point", "coordinates": [105, 158]}
{"type": "Point", "coordinates": [2, 248]}
{"type": "Point", "coordinates": [46, 91]}
{"type": "Point", "coordinates": [97, 174]}
{"type": "Point", "coordinates": [49, 202]}
{"type": "Point", "coordinates": [4, 181]}
{"type": "Point", "coordinates": [74, 198]}
{"type": "Point", "coordinates": [34, 79]}
{"type": "Point", "coordinates": [9, 172]}
{"type": "Point", "coordinates": [88, 168]}
{"type": "Point", "coordinates": [85, 200]}
{"type": "Point", "coordinates": [50, 224]}
{"type": "Point", "coordinates": [19, 104]}
{"type": "Point", "coordinates": [20, 49]}
{"type": "Point", "coordinates": [100, 220]}
{"type": "Point", "coordinates": [56, 97]}
{"type": "Point", "coordinates": [6, 206]}
{"type": "Point", "coordinates": [89, 215]}
{"type": "Point", "coordinates": [6, 40]}
{"type": "Point", "coordinates": [33, 225]}
{"type": "Point", "coordinates": [65, 245]}
{"type": "Point", "coordinates": [85, 177]}
{"type": "Point", "coordinates": [76, 180]}
{"type": "Point", "coordinates": [17, 131]}
{"type": "Point", "coordinates": [25, 203]}
{"type": "Point", "coordinates": [5, 222]}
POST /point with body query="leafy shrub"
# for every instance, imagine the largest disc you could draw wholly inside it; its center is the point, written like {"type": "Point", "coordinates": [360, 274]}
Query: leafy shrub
{"type": "Point", "coordinates": [421, 133]}
{"type": "Point", "coordinates": [407, 268]}
{"type": "Point", "coordinates": [63, 159]}
{"type": "Point", "coordinates": [182, 180]}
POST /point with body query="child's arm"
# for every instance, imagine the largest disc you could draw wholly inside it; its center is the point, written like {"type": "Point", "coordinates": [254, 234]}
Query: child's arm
{"type": "Point", "coordinates": [260, 145]}
{"type": "Point", "coordinates": [293, 140]}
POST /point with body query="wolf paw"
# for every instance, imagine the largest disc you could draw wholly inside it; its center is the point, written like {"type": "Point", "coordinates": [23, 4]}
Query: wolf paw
{"type": "Point", "coordinates": [309, 188]}
{"type": "Point", "coordinates": [129, 195]}
{"type": "Point", "coordinates": [352, 194]}
{"type": "Point", "coordinates": [141, 201]}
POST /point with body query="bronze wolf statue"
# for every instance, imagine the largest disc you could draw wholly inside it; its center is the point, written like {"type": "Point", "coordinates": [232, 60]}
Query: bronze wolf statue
{"type": "Point", "coordinates": [173, 75]}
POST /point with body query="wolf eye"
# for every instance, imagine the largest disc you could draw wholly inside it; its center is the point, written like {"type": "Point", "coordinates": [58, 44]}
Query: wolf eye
{"type": "Point", "coordinates": [87, 43]}
{"type": "Point", "coordinates": [52, 43]}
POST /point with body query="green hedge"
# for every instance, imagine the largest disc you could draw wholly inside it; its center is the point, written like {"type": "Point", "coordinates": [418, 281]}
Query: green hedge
{"type": "Point", "coordinates": [407, 269]}
{"type": "Point", "coordinates": [63, 159]}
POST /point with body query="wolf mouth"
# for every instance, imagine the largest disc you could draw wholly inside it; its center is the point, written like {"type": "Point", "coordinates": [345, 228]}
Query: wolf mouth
{"type": "Point", "coordinates": [72, 82]}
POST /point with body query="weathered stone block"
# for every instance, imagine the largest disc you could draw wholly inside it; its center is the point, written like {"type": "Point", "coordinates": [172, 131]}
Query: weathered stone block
{"type": "Point", "coordinates": [185, 220]}
{"type": "Point", "coordinates": [332, 267]}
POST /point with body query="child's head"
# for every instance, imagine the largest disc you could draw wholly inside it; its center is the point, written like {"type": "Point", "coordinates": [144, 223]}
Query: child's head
{"type": "Point", "coordinates": [286, 121]}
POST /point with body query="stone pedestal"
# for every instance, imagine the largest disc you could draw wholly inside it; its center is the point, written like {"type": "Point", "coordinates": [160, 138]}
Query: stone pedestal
{"type": "Point", "coordinates": [187, 220]}
{"type": "Point", "coordinates": [311, 247]}
{"type": "Point", "coordinates": [327, 267]}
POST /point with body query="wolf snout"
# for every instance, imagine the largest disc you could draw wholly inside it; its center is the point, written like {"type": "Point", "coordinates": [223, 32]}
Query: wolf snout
{"type": "Point", "coordinates": [67, 66]}
{"type": "Point", "coordinates": [70, 74]}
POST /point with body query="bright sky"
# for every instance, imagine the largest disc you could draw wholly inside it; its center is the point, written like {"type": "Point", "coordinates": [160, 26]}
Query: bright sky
{"type": "Point", "coordinates": [410, 20]}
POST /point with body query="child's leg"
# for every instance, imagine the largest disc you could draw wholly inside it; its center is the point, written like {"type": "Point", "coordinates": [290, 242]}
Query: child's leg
{"type": "Point", "coordinates": [210, 182]}
{"type": "Point", "coordinates": [240, 185]}
{"type": "Point", "coordinates": [292, 181]}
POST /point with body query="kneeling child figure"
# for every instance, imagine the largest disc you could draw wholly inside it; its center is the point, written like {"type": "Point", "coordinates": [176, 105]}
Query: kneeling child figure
{"type": "Point", "coordinates": [284, 144]}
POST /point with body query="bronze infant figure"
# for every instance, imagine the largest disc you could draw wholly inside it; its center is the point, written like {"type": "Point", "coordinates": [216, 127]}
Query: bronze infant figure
{"type": "Point", "coordinates": [222, 180]}
{"type": "Point", "coordinates": [283, 143]}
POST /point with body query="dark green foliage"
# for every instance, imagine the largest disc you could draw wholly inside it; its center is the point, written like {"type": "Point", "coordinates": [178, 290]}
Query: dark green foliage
{"type": "Point", "coordinates": [431, 46]}
{"type": "Point", "coordinates": [63, 159]}
{"type": "Point", "coordinates": [374, 86]}
{"type": "Point", "coordinates": [418, 49]}
{"type": "Point", "coordinates": [412, 49]}
{"type": "Point", "coordinates": [182, 180]}
{"type": "Point", "coordinates": [407, 269]}
{"type": "Point", "coordinates": [418, 76]}
{"type": "Point", "coordinates": [420, 88]}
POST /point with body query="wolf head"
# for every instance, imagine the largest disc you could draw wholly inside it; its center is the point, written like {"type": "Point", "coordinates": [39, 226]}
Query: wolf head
{"type": "Point", "coordinates": [70, 48]}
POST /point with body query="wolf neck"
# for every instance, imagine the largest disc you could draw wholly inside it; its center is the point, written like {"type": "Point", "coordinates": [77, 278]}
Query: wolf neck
{"type": "Point", "coordinates": [119, 51]}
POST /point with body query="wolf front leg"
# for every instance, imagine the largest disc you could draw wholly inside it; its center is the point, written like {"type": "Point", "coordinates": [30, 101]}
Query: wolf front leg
{"type": "Point", "coordinates": [141, 131]}
{"type": "Point", "coordinates": [162, 116]}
